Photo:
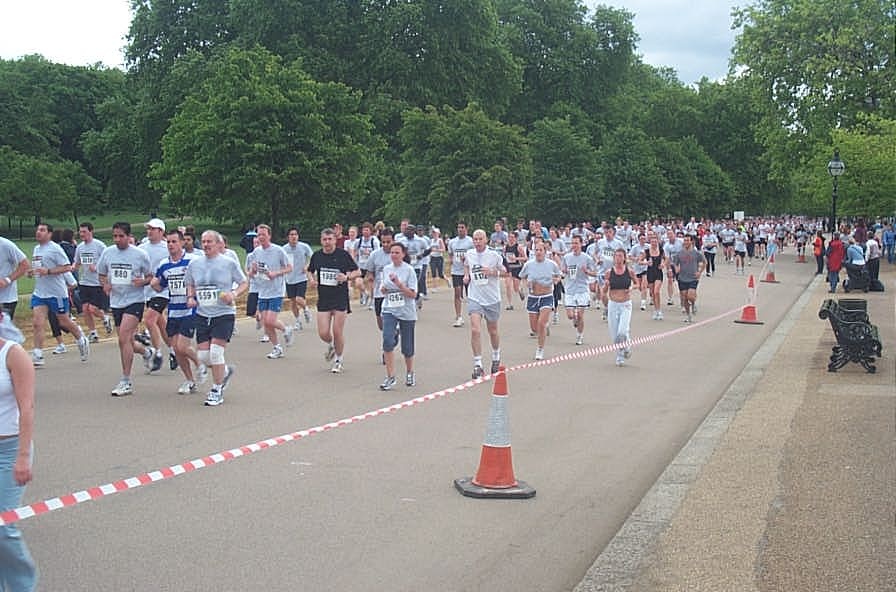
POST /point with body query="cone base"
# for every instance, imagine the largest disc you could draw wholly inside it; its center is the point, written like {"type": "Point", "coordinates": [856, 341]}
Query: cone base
{"type": "Point", "coordinates": [746, 322]}
{"type": "Point", "coordinates": [768, 281]}
{"type": "Point", "coordinates": [521, 490]}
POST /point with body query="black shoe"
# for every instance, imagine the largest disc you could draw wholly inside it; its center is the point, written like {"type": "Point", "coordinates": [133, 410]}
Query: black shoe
{"type": "Point", "coordinates": [143, 338]}
{"type": "Point", "coordinates": [156, 362]}
{"type": "Point", "coordinates": [496, 365]}
{"type": "Point", "coordinates": [172, 361]}
{"type": "Point", "coordinates": [477, 372]}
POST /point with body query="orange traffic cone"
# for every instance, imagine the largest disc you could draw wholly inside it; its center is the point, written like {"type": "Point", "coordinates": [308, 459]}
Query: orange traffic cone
{"type": "Point", "coordinates": [748, 313]}
{"type": "Point", "coordinates": [495, 479]}
{"type": "Point", "coordinates": [770, 273]}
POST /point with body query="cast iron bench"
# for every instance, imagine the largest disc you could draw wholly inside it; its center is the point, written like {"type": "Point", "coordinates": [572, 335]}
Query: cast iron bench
{"type": "Point", "coordinates": [857, 339]}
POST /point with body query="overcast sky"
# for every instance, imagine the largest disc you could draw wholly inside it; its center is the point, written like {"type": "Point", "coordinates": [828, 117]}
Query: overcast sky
{"type": "Point", "coordinates": [694, 37]}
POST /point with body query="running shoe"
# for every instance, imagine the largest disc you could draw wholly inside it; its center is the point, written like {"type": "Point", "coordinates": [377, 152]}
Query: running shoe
{"type": "Point", "coordinates": [59, 349]}
{"type": "Point", "coordinates": [687, 319]}
{"type": "Point", "coordinates": [659, 315]}
{"type": "Point", "coordinates": [276, 353]}
{"type": "Point", "coordinates": [620, 362]}
{"type": "Point", "coordinates": [336, 368]}
{"type": "Point", "coordinates": [297, 325]}
{"type": "Point", "coordinates": [458, 322]}
{"type": "Point", "coordinates": [287, 336]}
{"type": "Point", "coordinates": [307, 315]}
{"type": "Point", "coordinates": [508, 307]}
{"type": "Point", "coordinates": [539, 354]}
{"type": "Point", "coordinates": [330, 353]}
{"type": "Point", "coordinates": [172, 361]}
{"type": "Point", "coordinates": [215, 397]}
{"type": "Point", "coordinates": [228, 375]}
{"type": "Point", "coordinates": [187, 388]}
{"type": "Point", "coordinates": [202, 371]}
{"type": "Point", "coordinates": [410, 379]}
{"type": "Point", "coordinates": [496, 365]}
{"type": "Point", "coordinates": [478, 372]}
{"type": "Point", "coordinates": [264, 338]}
{"type": "Point", "coordinates": [123, 388]}
{"type": "Point", "coordinates": [156, 361]}
{"type": "Point", "coordinates": [107, 324]}
{"type": "Point", "coordinates": [83, 347]}
{"type": "Point", "coordinates": [669, 302]}
{"type": "Point", "coordinates": [37, 358]}
{"type": "Point", "coordinates": [603, 316]}
{"type": "Point", "coordinates": [643, 305]}
{"type": "Point", "coordinates": [149, 355]}
{"type": "Point", "coordinates": [143, 338]}
{"type": "Point", "coordinates": [93, 337]}
{"type": "Point", "coordinates": [388, 383]}
{"type": "Point", "coordinates": [579, 340]}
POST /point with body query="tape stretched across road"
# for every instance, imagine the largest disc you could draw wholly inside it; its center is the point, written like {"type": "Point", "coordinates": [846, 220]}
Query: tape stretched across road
{"type": "Point", "coordinates": [101, 491]}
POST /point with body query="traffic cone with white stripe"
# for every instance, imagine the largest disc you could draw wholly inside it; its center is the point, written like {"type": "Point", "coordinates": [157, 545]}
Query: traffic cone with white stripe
{"type": "Point", "coordinates": [770, 273]}
{"type": "Point", "coordinates": [748, 313]}
{"type": "Point", "coordinates": [495, 478]}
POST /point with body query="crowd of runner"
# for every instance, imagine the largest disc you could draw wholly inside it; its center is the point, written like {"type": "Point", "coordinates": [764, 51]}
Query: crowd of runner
{"type": "Point", "coordinates": [184, 291]}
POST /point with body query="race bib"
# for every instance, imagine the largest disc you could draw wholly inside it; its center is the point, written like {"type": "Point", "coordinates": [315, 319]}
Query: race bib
{"type": "Point", "coordinates": [511, 257]}
{"type": "Point", "coordinates": [571, 271]}
{"type": "Point", "coordinates": [478, 276]}
{"type": "Point", "coordinates": [262, 271]}
{"type": "Point", "coordinates": [328, 277]}
{"type": "Point", "coordinates": [87, 259]}
{"type": "Point", "coordinates": [459, 256]}
{"type": "Point", "coordinates": [176, 286]}
{"type": "Point", "coordinates": [290, 258]}
{"type": "Point", "coordinates": [207, 295]}
{"type": "Point", "coordinates": [37, 262]}
{"type": "Point", "coordinates": [393, 300]}
{"type": "Point", "coordinates": [120, 274]}
{"type": "Point", "coordinates": [414, 259]}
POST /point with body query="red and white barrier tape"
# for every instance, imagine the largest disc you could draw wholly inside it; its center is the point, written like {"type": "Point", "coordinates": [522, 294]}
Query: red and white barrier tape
{"type": "Point", "coordinates": [94, 493]}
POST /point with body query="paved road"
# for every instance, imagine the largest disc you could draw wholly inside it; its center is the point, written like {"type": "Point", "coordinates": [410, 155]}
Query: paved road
{"type": "Point", "coordinates": [371, 506]}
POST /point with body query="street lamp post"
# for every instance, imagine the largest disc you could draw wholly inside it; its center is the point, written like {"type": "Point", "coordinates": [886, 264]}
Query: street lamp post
{"type": "Point", "coordinates": [836, 167]}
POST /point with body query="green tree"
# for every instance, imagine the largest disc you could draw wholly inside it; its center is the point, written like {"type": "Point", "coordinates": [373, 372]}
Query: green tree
{"type": "Point", "coordinates": [633, 179]}
{"type": "Point", "coordinates": [261, 140]}
{"type": "Point", "coordinates": [565, 186]}
{"type": "Point", "coordinates": [461, 165]}
{"type": "Point", "coordinates": [815, 65]}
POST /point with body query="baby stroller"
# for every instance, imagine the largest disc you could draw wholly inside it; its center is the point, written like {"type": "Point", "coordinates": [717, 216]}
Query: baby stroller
{"type": "Point", "coordinates": [857, 278]}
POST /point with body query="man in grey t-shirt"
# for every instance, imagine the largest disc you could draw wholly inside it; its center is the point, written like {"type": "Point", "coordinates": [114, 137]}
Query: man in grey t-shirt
{"type": "Point", "coordinates": [210, 282]}
{"type": "Point", "coordinates": [124, 271]}
{"type": "Point", "coordinates": [689, 263]}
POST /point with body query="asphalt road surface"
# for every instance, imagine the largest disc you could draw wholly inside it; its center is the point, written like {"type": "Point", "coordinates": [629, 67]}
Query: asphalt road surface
{"type": "Point", "coordinates": [371, 505]}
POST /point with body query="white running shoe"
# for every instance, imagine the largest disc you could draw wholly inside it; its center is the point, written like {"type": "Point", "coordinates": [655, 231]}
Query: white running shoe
{"type": "Point", "coordinates": [298, 325]}
{"type": "Point", "coordinates": [643, 305]}
{"type": "Point", "coordinates": [186, 388]}
{"type": "Point", "coordinates": [148, 354]}
{"type": "Point", "coordinates": [215, 397]}
{"type": "Point", "coordinates": [458, 322]}
{"type": "Point", "coordinates": [123, 388]}
{"type": "Point", "coordinates": [539, 354]}
{"type": "Point", "coordinates": [107, 324]}
{"type": "Point", "coordinates": [659, 315]}
{"type": "Point", "coordinates": [336, 368]}
{"type": "Point", "coordinates": [580, 340]}
{"type": "Point", "coordinates": [93, 337]}
{"type": "Point", "coordinates": [37, 358]}
{"type": "Point", "coordinates": [83, 347]}
{"type": "Point", "coordinates": [275, 353]}
{"type": "Point", "coordinates": [288, 336]}
{"type": "Point", "coordinates": [307, 316]}
{"type": "Point", "coordinates": [59, 349]}
{"type": "Point", "coordinates": [388, 384]}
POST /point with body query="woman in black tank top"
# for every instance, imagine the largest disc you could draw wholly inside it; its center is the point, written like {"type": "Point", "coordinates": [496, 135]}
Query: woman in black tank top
{"type": "Point", "coordinates": [619, 281]}
{"type": "Point", "coordinates": [653, 258]}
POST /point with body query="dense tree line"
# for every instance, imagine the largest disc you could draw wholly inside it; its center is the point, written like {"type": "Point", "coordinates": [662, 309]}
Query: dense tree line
{"type": "Point", "coordinates": [314, 110]}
